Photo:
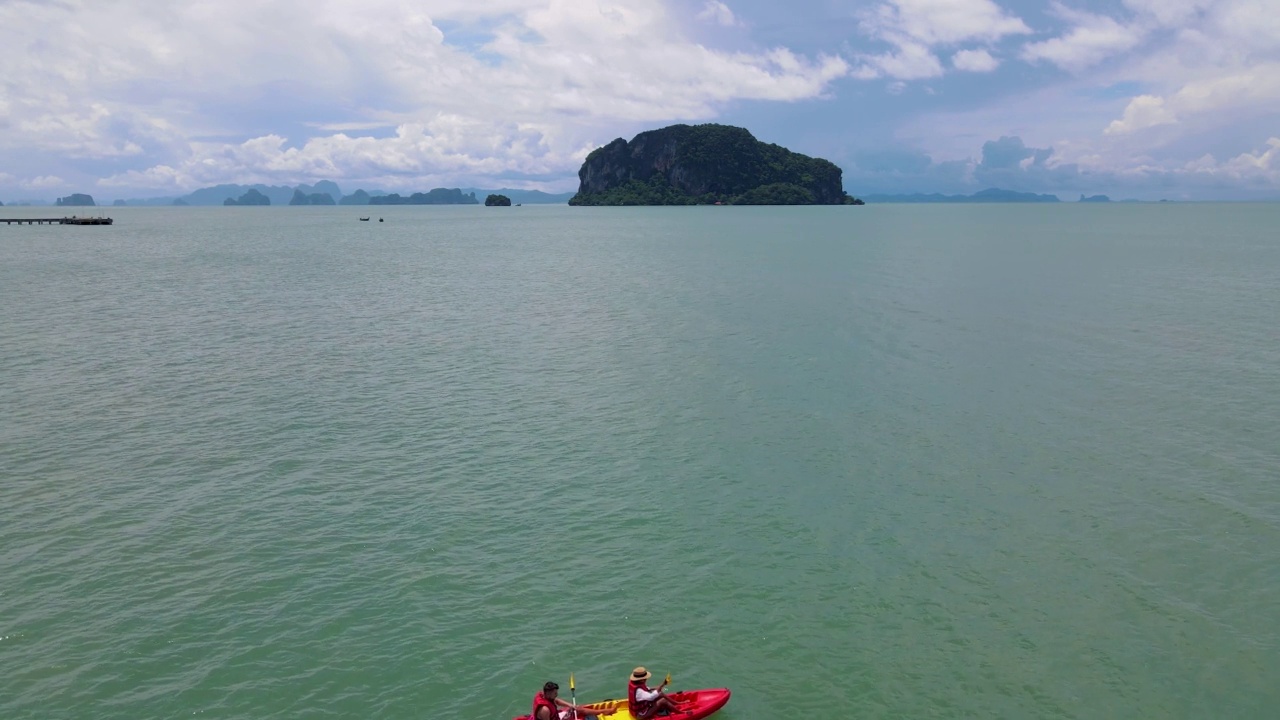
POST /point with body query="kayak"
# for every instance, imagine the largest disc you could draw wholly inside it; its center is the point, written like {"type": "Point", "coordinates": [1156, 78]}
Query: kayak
{"type": "Point", "coordinates": [695, 705]}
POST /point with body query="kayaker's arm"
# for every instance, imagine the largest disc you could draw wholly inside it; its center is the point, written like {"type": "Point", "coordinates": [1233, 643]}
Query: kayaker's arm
{"type": "Point", "coordinates": [582, 709]}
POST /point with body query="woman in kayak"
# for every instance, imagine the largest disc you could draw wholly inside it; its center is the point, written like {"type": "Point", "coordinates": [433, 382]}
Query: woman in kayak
{"type": "Point", "coordinates": [645, 703]}
{"type": "Point", "coordinates": [546, 706]}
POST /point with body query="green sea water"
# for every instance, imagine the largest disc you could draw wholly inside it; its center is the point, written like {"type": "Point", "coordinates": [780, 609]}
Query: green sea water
{"type": "Point", "coordinates": [879, 462]}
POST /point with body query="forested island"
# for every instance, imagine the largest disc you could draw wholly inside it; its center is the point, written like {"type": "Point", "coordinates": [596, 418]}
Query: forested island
{"type": "Point", "coordinates": [707, 164]}
{"type": "Point", "coordinates": [496, 200]}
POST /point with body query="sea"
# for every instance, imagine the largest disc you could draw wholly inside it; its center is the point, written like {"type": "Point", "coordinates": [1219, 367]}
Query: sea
{"type": "Point", "coordinates": [892, 461]}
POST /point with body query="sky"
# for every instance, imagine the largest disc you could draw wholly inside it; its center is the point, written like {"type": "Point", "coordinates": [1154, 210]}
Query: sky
{"type": "Point", "coordinates": [1146, 99]}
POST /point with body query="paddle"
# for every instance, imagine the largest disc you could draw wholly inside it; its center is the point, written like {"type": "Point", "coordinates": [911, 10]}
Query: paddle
{"type": "Point", "coordinates": [673, 700]}
{"type": "Point", "coordinates": [573, 693]}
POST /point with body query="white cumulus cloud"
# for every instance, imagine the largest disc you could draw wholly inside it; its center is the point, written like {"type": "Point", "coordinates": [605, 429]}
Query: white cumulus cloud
{"type": "Point", "coordinates": [915, 28]}
{"type": "Point", "coordinates": [1142, 112]}
{"type": "Point", "coordinates": [974, 61]}
{"type": "Point", "coordinates": [1091, 39]}
{"type": "Point", "coordinates": [719, 13]}
{"type": "Point", "coordinates": [170, 92]}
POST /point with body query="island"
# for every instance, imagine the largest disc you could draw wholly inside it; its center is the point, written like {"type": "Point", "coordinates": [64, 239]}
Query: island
{"type": "Point", "coordinates": [990, 195]}
{"type": "Point", "coordinates": [250, 197]}
{"type": "Point", "coordinates": [76, 200]}
{"type": "Point", "coordinates": [1095, 198]}
{"type": "Point", "coordinates": [359, 197]}
{"type": "Point", "coordinates": [497, 201]}
{"type": "Point", "coordinates": [319, 198]}
{"type": "Point", "coordinates": [709, 164]}
{"type": "Point", "coordinates": [438, 196]}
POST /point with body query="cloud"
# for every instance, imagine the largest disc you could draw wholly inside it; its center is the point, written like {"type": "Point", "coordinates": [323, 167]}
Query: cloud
{"type": "Point", "coordinates": [717, 12]}
{"type": "Point", "coordinates": [1202, 102]}
{"type": "Point", "coordinates": [974, 61]}
{"type": "Point", "coordinates": [135, 83]}
{"type": "Point", "coordinates": [448, 147]}
{"type": "Point", "coordinates": [916, 27]}
{"type": "Point", "coordinates": [44, 182]}
{"type": "Point", "coordinates": [911, 61]}
{"type": "Point", "coordinates": [1092, 38]}
{"type": "Point", "coordinates": [1010, 152]}
{"type": "Point", "coordinates": [1265, 163]}
{"type": "Point", "coordinates": [1143, 112]}
{"type": "Point", "coordinates": [1169, 13]}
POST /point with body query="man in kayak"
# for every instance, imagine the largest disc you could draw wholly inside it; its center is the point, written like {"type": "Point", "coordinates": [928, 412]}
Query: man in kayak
{"type": "Point", "coordinates": [645, 703]}
{"type": "Point", "coordinates": [547, 706]}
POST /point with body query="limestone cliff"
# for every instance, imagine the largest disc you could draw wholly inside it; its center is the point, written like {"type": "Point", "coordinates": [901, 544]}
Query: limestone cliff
{"type": "Point", "coordinates": [703, 164]}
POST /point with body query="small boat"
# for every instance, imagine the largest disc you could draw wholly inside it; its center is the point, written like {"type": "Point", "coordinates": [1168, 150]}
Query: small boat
{"type": "Point", "coordinates": [379, 219]}
{"type": "Point", "coordinates": [696, 704]}
{"type": "Point", "coordinates": [364, 219]}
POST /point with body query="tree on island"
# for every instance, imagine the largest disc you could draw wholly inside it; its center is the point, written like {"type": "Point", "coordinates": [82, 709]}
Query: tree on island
{"type": "Point", "coordinates": [251, 197]}
{"type": "Point", "coordinates": [497, 201]}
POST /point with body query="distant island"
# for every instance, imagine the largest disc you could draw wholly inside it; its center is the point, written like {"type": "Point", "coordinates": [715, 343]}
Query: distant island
{"type": "Point", "coordinates": [251, 197]}
{"type": "Point", "coordinates": [1095, 198]}
{"type": "Point", "coordinates": [707, 164]}
{"type": "Point", "coordinates": [284, 195]}
{"type": "Point", "coordinates": [438, 196]}
{"type": "Point", "coordinates": [301, 198]}
{"type": "Point", "coordinates": [497, 201]}
{"type": "Point", "coordinates": [76, 200]}
{"type": "Point", "coordinates": [990, 195]}
{"type": "Point", "coordinates": [358, 197]}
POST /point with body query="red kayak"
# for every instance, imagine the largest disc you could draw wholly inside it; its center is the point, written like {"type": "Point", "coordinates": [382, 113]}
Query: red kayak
{"type": "Point", "coordinates": [694, 705]}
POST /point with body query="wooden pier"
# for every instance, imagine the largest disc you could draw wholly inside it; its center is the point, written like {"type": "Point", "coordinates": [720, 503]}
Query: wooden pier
{"type": "Point", "coordinates": [58, 221]}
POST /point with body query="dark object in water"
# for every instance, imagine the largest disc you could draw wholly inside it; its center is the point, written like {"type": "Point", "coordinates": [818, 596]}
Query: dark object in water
{"type": "Point", "coordinates": [73, 220]}
{"type": "Point", "coordinates": [379, 219]}
{"type": "Point", "coordinates": [364, 219]}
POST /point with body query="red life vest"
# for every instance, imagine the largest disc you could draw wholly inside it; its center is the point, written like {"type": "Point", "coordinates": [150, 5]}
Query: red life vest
{"type": "Point", "coordinates": [637, 708]}
{"type": "Point", "coordinates": [541, 700]}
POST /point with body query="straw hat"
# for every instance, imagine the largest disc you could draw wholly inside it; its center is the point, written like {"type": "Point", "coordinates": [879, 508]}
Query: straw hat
{"type": "Point", "coordinates": [640, 674]}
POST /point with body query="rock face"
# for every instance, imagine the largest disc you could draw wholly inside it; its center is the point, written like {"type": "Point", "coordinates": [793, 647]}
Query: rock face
{"type": "Point", "coordinates": [497, 201]}
{"type": "Point", "coordinates": [705, 164]}
{"type": "Point", "coordinates": [76, 200]}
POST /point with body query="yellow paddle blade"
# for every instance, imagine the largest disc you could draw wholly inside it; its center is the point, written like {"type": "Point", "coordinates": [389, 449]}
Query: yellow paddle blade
{"type": "Point", "coordinates": [668, 678]}
{"type": "Point", "coordinates": [570, 682]}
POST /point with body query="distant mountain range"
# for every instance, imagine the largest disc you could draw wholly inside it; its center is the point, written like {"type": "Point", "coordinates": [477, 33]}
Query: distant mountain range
{"type": "Point", "coordinates": [990, 195]}
{"type": "Point", "coordinates": [314, 195]}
